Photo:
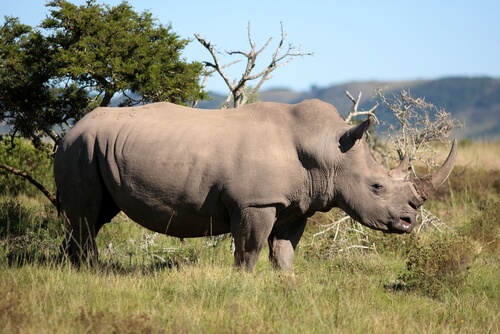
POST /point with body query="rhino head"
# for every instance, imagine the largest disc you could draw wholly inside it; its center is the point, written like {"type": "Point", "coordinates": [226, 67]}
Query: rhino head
{"type": "Point", "coordinates": [380, 199]}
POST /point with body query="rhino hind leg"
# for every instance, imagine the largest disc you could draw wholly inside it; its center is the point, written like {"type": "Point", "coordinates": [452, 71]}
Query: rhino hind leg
{"type": "Point", "coordinates": [250, 229]}
{"type": "Point", "coordinates": [282, 244]}
{"type": "Point", "coordinates": [80, 242]}
{"type": "Point", "coordinates": [87, 210]}
{"type": "Point", "coordinates": [85, 229]}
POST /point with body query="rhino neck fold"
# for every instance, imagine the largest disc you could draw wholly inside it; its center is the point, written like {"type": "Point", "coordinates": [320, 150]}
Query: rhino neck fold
{"type": "Point", "coordinates": [321, 192]}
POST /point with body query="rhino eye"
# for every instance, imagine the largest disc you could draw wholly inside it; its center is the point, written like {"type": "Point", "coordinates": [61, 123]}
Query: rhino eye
{"type": "Point", "coordinates": [377, 187]}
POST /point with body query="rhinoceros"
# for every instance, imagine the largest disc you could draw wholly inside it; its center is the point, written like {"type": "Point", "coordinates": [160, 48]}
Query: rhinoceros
{"type": "Point", "coordinates": [257, 172]}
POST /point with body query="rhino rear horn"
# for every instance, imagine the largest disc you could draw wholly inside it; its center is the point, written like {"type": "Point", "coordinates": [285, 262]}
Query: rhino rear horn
{"type": "Point", "coordinates": [354, 134]}
{"type": "Point", "coordinates": [401, 172]}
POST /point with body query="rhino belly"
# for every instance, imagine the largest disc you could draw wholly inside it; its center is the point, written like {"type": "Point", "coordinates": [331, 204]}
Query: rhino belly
{"type": "Point", "coordinates": [181, 224]}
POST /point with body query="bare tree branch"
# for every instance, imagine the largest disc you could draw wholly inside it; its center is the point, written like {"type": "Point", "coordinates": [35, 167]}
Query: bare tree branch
{"type": "Point", "coordinates": [354, 110]}
{"type": "Point", "coordinates": [238, 87]}
{"type": "Point", "coordinates": [216, 65]}
{"type": "Point", "coordinates": [28, 177]}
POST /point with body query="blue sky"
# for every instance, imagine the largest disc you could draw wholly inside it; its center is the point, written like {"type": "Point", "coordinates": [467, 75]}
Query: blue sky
{"type": "Point", "coordinates": [351, 40]}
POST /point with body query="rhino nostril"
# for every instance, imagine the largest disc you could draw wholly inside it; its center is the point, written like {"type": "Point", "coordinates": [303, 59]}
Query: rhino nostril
{"type": "Point", "coordinates": [407, 220]}
{"type": "Point", "coordinates": [413, 206]}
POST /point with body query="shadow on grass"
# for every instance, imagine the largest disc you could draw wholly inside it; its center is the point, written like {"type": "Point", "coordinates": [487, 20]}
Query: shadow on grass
{"type": "Point", "coordinates": [29, 250]}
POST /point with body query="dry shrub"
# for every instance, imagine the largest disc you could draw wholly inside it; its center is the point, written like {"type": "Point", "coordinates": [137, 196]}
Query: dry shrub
{"type": "Point", "coordinates": [438, 264]}
{"type": "Point", "coordinates": [415, 127]}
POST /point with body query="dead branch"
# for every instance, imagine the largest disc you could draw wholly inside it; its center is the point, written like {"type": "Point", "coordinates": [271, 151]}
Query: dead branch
{"type": "Point", "coordinates": [429, 221]}
{"type": "Point", "coordinates": [28, 177]}
{"type": "Point", "coordinates": [354, 109]}
{"type": "Point", "coordinates": [216, 64]}
{"type": "Point", "coordinates": [343, 236]}
{"type": "Point", "coordinates": [237, 88]}
{"type": "Point", "coordinates": [335, 224]}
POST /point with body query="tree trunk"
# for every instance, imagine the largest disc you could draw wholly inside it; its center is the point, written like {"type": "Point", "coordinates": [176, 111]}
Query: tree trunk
{"type": "Point", "coordinates": [108, 95]}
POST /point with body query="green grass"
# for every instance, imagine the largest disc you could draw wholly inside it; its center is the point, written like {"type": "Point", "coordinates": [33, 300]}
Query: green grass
{"type": "Point", "coordinates": [432, 282]}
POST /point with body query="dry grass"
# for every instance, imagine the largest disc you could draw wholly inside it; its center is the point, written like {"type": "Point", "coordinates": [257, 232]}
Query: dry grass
{"type": "Point", "coordinates": [482, 155]}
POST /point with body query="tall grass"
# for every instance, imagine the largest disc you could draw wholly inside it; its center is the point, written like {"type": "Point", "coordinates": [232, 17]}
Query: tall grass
{"type": "Point", "coordinates": [155, 284]}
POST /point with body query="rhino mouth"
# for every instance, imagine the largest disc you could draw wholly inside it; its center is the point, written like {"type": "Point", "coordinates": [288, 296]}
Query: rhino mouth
{"type": "Point", "coordinates": [403, 225]}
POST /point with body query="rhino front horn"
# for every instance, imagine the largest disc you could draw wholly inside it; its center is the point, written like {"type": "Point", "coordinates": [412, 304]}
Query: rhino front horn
{"type": "Point", "coordinates": [445, 170]}
{"type": "Point", "coordinates": [426, 186]}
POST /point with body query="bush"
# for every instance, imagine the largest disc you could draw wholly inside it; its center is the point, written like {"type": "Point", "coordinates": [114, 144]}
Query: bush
{"type": "Point", "coordinates": [438, 264]}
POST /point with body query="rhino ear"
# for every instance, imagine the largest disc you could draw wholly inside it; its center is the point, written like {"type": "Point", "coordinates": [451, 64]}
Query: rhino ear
{"type": "Point", "coordinates": [351, 136]}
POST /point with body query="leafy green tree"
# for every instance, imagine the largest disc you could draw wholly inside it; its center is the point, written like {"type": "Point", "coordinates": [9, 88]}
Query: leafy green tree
{"type": "Point", "coordinates": [114, 49]}
{"type": "Point", "coordinates": [80, 57]}
{"type": "Point", "coordinates": [30, 99]}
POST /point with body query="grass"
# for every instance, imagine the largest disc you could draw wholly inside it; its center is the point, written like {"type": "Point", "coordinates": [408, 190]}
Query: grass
{"type": "Point", "coordinates": [209, 298]}
{"type": "Point", "coordinates": [154, 284]}
{"type": "Point", "coordinates": [483, 155]}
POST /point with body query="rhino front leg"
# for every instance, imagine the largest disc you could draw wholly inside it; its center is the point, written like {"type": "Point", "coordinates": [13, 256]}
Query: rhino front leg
{"type": "Point", "coordinates": [250, 229]}
{"type": "Point", "coordinates": [282, 244]}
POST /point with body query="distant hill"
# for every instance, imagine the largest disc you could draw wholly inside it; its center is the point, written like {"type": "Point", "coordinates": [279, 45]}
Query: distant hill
{"type": "Point", "coordinates": [474, 101]}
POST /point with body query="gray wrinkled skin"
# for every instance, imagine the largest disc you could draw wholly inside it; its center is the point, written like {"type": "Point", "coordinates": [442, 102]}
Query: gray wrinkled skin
{"type": "Point", "coordinates": [257, 171]}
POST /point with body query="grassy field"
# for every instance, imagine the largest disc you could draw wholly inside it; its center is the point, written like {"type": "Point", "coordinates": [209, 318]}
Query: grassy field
{"type": "Point", "coordinates": [443, 279]}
